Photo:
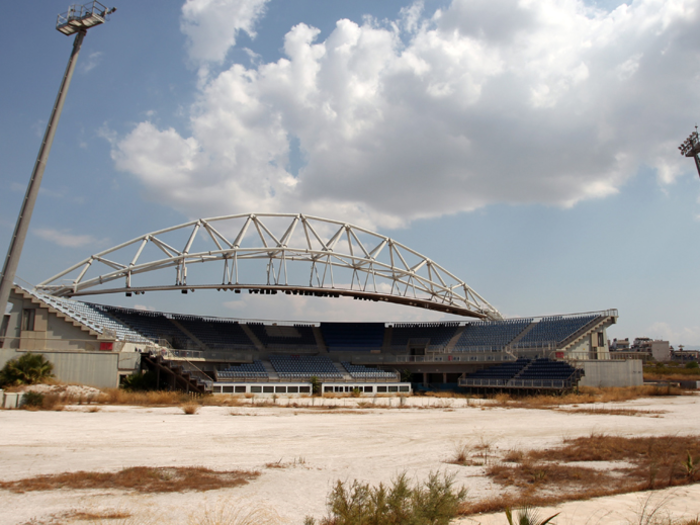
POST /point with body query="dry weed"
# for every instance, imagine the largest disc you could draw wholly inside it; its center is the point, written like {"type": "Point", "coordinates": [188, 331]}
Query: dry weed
{"type": "Point", "coordinates": [472, 454]}
{"type": "Point", "coordinates": [276, 464]}
{"type": "Point", "coordinates": [514, 456]}
{"type": "Point", "coordinates": [461, 455]}
{"type": "Point", "coordinates": [296, 462]}
{"type": "Point", "coordinates": [235, 513]}
{"type": "Point", "coordinates": [190, 408]}
{"type": "Point", "coordinates": [139, 479]}
{"type": "Point", "coordinates": [52, 402]}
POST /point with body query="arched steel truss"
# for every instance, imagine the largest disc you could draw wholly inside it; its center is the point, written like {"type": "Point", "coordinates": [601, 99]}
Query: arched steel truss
{"type": "Point", "coordinates": [377, 267]}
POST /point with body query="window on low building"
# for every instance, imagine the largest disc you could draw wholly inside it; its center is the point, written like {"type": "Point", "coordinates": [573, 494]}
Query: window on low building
{"type": "Point", "coordinates": [28, 320]}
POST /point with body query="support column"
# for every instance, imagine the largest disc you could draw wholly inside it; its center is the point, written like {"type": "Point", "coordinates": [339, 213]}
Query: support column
{"type": "Point", "coordinates": [25, 215]}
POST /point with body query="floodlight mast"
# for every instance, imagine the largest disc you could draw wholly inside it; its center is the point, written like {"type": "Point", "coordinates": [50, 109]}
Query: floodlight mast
{"type": "Point", "coordinates": [691, 148]}
{"type": "Point", "coordinates": [77, 20]}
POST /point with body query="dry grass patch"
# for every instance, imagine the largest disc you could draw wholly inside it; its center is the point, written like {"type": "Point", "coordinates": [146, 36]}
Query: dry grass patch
{"type": "Point", "coordinates": [445, 393]}
{"type": "Point", "coordinates": [605, 411]}
{"type": "Point", "coordinates": [552, 476]}
{"type": "Point", "coordinates": [138, 479]}
{"type": "Point", "coordinates": [586, 395]}
{"type": "Point", "coordinates": [88, 515]}
{"type": "Point", "coordinates": [118, 396]}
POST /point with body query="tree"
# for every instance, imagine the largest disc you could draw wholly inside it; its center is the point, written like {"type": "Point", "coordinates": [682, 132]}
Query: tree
{"type": "Point", "coordinates": [406, 376]}
{"type": "Point", "coordinates": [315, 385]}
{"type": "Point", "coordinates": [140, 381]}
{"type": "Point", "coordinates": [26, 370]}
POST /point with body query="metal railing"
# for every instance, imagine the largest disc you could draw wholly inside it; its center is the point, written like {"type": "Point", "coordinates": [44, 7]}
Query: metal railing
{"type": "Point", "coordinates": [432, 358]}
{"type": "Point", "coordinates": [81, 13]}
{"type": "Point", "coordinates": [518, 383]}
{"type": "Point", "coordinates": [605, 356]}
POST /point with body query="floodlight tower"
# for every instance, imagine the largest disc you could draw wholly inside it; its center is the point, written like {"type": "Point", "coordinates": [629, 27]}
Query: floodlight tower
{"type": "Point", "coordinates": [77, 20]}
{"type": "Point", "coordinates": [691, 148]}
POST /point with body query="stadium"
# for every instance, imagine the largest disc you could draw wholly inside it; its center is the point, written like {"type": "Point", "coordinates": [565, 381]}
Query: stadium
{"type": "Point", "coordinates": [294, 254]}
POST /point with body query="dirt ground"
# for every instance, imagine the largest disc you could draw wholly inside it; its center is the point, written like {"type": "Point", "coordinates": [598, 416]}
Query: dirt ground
{"type": "Point", "coordinates": [314, 448]}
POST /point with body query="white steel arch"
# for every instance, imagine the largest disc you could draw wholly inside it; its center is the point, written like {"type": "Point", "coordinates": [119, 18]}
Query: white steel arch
{"type": "Point", "coordinates": [340, 258]}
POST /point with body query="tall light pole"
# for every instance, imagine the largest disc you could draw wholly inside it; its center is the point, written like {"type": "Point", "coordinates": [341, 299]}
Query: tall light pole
{"type": "Point", "coordinates": [77, 20]}
{"type": "Point", "coordinates": [691, 148]}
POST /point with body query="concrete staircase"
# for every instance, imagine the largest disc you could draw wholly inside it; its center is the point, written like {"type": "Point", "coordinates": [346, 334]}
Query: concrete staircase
{"type": "Point", "coordinates": [251, 335]}
{"type": "Point", "coordinates": [270, 370]}
{"type": "Point", "coordinates": [574, 339]}
{"type": "Point", "coordinates": [189, 334]}
{"type": "Point", "coordinates": [341, 369]}
{"type": "Point", "coordinates": [452, 342]}
{"type": "Point", "coordinates": [181, 374]}
{"type": "Point", "coordinates": [523, 333]}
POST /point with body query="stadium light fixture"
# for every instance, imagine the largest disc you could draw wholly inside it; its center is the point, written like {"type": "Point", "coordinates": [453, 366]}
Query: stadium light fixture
{"type": "Point", "coordinates": [691, 148]}
{"type": "Point", "coordinates": [77, 20]}
{"type": "Point", "coordinates": [83, 17]}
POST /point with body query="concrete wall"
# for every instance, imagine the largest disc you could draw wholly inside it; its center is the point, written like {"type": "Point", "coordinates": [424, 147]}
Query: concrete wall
{"type": "Point", "coordinates": [591, 344]}
{"type": "Point", "coordinates": [50, 331]}
{"type": "Point", "coordinates": [612, 373]}
{"type": "Point", "coordinates": [98, 369]}
{"type": "Point", "coordinates": [14, 319]}
{"type": "Point", "coordinates": [661, 350]}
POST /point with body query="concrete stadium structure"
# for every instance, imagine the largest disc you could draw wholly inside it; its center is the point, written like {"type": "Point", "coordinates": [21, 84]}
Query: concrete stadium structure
{"type": "Point", "coordinates": [99, 344]}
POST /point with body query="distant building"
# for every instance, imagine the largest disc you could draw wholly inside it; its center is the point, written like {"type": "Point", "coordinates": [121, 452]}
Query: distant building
{"type": "Point", "coordinates": [685, 356]}
{"type": "Point", "coordinates": [659, 350]}
{"type": "Point", "coordinates": [620, 345]}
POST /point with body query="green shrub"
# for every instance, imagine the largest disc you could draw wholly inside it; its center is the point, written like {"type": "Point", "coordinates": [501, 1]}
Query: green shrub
{"type": "Point", "coordinates": [33, 399]}
{"type": "Point", "coordinates": [692, 364]}
{"type": "Point", "coordinates": [140, 382]}
{"type": "Point", "coordinates": [435, 502]}
{"type": "Point", "coordinates": [26, 370]}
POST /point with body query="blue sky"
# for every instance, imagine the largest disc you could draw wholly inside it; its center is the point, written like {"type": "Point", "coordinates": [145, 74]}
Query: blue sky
{"type": "Point", "coordinates": [529, 148]}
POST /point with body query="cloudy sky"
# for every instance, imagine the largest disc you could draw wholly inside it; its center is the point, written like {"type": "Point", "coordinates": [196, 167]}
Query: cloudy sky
{"type": "Point", "coordinates": [530, 147]}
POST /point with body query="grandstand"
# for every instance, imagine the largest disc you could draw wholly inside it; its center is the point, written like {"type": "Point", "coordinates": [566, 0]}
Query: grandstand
{"type": "Point", "coordinates": [247, 356]}
{"type": "Point", "coordinates": [538, 374]}
{"type": "Point", "coordinates": [203, 353]}
{"type": "Point", "coordinates": [243, 356]}
{"type": "Point", "coordinates": [357, 336]}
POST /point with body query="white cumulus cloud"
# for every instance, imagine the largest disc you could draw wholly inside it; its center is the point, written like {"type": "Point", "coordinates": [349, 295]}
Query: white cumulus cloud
{"type": "Point", "coordinates": [212, 25]}
{"type": "Point", "coordinates": [483, 102]}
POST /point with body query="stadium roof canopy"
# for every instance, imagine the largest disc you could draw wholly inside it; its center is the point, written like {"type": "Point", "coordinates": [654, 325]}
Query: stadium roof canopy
{"type": "Point", "coordinates": [268, 253]}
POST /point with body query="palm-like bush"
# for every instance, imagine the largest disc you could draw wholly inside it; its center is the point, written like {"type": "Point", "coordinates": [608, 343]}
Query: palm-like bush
{"type": "Point", "coordinates": [527, 516]}
{"type": "Point", "coordinates": [26, 370]}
